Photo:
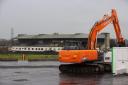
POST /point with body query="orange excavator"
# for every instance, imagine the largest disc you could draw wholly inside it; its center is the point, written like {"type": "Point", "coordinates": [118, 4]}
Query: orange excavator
{"type": "Point", "coordinates": [81, 61]}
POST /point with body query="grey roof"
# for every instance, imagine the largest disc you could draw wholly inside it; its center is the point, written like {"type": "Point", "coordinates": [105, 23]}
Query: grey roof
{"type": "Point", "coordinates": [55, 36]}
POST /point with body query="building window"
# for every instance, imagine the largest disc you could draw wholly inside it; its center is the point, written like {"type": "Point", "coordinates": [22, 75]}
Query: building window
{"type": "Point", "coordinates": [28, 48]}
{"type": "Point", "coordinates": [54, 49]}
{"type": "Point", "coordinates": [32, 48]}
{"type": "Point", "coordinates": [41, 48]}
{"type": "Point", "coordinates": [50, 48]}
{"type": "Point", "coordinates": [59, 48]}
{"type": "Point", "coordinates": [45, 48]}
{"type": "Point", "coordinates": [38, 48]}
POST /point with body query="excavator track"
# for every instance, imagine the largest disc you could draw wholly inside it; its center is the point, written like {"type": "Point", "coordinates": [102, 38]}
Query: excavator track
{"type": "Point", "coordinates": [81, 68]}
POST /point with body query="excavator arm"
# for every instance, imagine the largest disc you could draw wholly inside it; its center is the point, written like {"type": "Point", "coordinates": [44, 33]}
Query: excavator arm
{"type": "Point", "coordinates": [100, 25]}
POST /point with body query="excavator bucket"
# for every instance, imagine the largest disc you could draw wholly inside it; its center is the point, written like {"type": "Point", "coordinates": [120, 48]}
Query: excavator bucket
{"type": "Point", "coordinates": [77, 56]}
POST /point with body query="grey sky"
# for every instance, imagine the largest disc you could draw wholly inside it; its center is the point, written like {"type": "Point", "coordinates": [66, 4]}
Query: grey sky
{"type": "Point", "coordinates": [63, 16]}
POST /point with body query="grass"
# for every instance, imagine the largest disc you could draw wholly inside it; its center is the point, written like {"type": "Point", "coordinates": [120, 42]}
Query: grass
{"type": "Point", "coordinates": [18, 56]}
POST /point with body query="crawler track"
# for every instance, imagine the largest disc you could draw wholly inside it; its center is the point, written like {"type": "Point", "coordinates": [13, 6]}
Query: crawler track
{"type": "Point", "coordinates": [82, 68]}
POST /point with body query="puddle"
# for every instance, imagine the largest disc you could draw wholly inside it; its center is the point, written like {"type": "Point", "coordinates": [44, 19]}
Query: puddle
{"type": "Point", "coordinates": [70, 83]}
{"type": "Point", "coordinates": [21, 80]}
{"type": "Point", "coordinates": [21, 72]}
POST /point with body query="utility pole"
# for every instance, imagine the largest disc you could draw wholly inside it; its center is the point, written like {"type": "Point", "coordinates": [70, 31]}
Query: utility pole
{"type": "Point", "coordinates": [12, 36]}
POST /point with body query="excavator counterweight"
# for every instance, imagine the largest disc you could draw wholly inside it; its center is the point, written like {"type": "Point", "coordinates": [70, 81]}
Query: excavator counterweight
{"type": "Point", "coordinates": [78, 56]}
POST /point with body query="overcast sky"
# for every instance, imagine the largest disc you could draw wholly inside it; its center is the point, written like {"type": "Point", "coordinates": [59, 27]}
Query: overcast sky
{"type": "Point", "coordinates": [62, 16]}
